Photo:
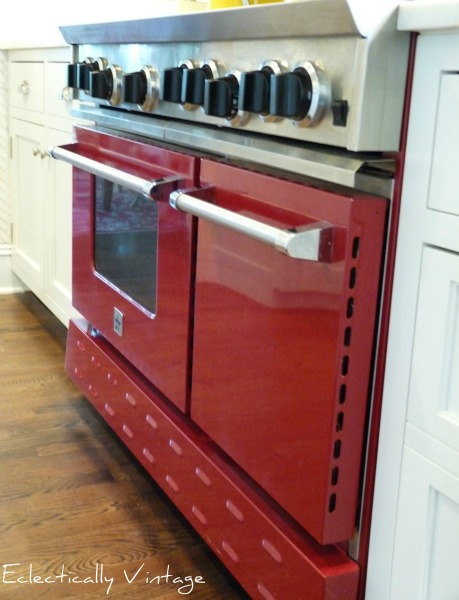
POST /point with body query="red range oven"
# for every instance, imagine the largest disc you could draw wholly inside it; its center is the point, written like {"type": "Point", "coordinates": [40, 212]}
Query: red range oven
{"type": "Point", "coordinates": [232, 218]}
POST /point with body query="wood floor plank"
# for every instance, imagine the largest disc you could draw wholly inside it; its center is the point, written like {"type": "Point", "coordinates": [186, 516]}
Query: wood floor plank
{"type": "Point", "coordinates": [74, 503]}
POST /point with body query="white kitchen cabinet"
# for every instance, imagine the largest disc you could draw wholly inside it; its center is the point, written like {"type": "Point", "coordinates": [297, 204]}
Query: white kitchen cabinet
{"type": "Point", "coordinates": [59, 223]}
{"type": "Point", "coordinates": [414, 545]}
{"type": "Point", "coordinates": [41, 188]}
{"type": "Point", "coordinates": [28, 206]}
{"type": "Point", "coordinates": [427, 535]}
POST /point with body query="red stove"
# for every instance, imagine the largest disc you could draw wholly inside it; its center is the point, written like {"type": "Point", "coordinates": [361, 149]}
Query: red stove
{"type": "Point", "coordinates": [232, 218]}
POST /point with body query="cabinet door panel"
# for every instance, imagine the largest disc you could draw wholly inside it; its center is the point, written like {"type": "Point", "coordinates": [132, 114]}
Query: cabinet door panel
{"type": "Point", "coordinates": [59, 223]}
{"type": "Point", "coordinates": [444, 183]}
{"type": "Point", "coordinates": [427, 539]}
{"type": "Point", "coordinates": [28, 180]}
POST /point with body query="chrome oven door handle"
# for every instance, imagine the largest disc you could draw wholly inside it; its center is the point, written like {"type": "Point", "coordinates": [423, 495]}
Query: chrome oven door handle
{"type": "Point", "coordinates": [310, 242]}
{"type": "Point", "coordinates": [145, 187]}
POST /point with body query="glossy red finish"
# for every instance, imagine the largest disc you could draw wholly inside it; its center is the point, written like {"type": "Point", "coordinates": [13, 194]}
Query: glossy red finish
{"type": "Point", "coordinates": [283, 347]}
{"type": "Point", "coordinates": [268, 555]}
{"type": "Point", "coordinates": [158, 345]}
{"type": "Point", "coordinates": [245, 395]}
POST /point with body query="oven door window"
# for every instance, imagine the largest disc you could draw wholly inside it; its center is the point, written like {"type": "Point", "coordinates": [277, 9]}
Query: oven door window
{"type": "Point", "coordinates": [126, 241]}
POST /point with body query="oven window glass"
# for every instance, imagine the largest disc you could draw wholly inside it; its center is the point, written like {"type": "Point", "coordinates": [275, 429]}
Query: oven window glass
{"type": "Point", "coordinates": [126, 241]}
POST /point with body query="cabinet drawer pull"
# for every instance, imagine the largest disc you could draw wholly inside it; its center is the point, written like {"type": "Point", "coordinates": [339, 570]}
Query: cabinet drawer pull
{"type": "Point", "coordinates": [24, 88]}
{"type": "Point", "coordinates": [36, 151]}
{"type": "Point", "coordinates": [66, 94]}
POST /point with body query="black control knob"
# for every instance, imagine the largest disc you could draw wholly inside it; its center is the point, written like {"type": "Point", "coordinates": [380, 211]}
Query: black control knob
{"type": "Point", "coordinates": [135, 87]}
{"type": "Point", "coordinates": [171, 84]}
{"type": "Point", "coordinates": [101, 84]}
{"type": "Point", "coordinates": [72, 76]}
{"type": "Point", "coordinates": [291, 95]}
{"type": "Point", "coordinates": [142, 87]}
{"type": "Point", "coordinates": [254, 91]}
{"type": "Point", "coordinates": [84, 70]}
{"type": "Point", "coordinates": [106, 84]}
{"type": "Point", "coordinates": [300, 95]}
{"type": "Point", "coordinates": [193, 86]}
{"type": "Point", "coordinates": [221, 96]}
{"type": "Point", "coordinates": [193, 83]}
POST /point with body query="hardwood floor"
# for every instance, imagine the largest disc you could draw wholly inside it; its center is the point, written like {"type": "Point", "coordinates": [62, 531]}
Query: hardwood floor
{"type": "Point", "coordinates": [78, 515]}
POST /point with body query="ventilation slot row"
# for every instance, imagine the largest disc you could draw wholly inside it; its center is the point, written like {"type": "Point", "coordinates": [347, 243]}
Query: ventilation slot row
{"type": "Point", "coordinates": [345, 365]}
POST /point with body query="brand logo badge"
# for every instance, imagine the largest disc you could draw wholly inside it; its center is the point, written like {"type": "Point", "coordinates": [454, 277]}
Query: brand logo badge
{"type": "Point", "coordinates": [118, 318]}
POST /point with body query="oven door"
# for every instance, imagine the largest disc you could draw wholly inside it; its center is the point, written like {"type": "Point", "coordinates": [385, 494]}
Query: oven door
{"type": "Point", "coordinates": [283, 341]}
{"type": "Point", "coordinates": [133, 254]}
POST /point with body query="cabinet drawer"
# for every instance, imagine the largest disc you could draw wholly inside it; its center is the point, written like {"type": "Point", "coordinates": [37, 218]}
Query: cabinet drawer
{"type": "Point", "coordinates": [434, 383]}
{"type": "Point", "coordinates": [56, 78]}
{"type": "Point", "coordinates": [444, 181]}
{"type": "Point", "coordinates": [26, 85]}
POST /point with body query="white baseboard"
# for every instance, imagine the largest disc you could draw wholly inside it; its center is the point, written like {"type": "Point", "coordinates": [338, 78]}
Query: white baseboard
{"type": "Point", "coordinates": [9, 283]}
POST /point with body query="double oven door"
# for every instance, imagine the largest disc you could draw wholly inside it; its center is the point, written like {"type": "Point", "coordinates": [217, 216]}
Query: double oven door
{"type": "Point", "coordinates": [246, 300]}
{"type": "Point", "coordinates": [133, 254]}
{"type": "Point", "coordinates": [282, 348]}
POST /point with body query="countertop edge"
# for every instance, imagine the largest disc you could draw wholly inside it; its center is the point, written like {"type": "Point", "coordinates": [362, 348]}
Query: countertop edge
{"type": "Point", "coordinates": [425, 16]}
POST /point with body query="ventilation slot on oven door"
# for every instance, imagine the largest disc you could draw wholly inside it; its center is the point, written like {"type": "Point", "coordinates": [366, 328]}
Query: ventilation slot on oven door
{"type": "Point", "coordinates": [345, 368]}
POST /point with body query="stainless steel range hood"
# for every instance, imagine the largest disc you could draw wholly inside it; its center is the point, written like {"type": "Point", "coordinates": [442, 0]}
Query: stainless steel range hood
{"type": "Point", "coordinates": [310, 18]}
{"type": "Point", "coordinates": [356, 43]}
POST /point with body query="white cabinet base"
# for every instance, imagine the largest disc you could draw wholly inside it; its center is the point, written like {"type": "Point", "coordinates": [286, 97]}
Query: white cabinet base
{"type": "Point", "coordinates": [426, 549]}
{"type": "Point", "coordinates": [41, 188]}
{"type": "Point", "coordinates": [414, 545]}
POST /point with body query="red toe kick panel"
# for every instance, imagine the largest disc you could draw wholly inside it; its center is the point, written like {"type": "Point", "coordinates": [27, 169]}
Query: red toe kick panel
{"type": "Point", "coordinates": [268, 555]}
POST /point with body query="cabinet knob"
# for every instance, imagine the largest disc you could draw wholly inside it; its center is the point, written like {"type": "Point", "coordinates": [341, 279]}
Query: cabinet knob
{"type": "Point", "coordinates": [36, 151]}
{"type": "Point", "coordinates": [24, 88]}
{"type": "Point", "coordinates": [66, 94]}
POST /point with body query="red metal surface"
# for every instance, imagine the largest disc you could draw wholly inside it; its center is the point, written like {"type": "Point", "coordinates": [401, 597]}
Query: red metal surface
{"type": "Point", "coordinates": [269, 556]}
{"type": "Point", "coordinates": [158, 345]}
{"type": "Point", "coordinates": [283, 347]}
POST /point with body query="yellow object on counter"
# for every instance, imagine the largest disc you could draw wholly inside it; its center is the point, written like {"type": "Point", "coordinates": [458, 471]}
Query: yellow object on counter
{"type": "Point", "coordinates": [232, 3]}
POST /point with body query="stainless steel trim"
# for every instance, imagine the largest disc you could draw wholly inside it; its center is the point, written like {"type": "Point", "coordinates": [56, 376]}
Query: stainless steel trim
{"type": "Point", "coordinates": [321, 93]}
{"type": "Point", "coordinates": [314, 17]}
{"type": "Point", "coordinates": [152, 95]}
{"type": "Point", "coordinates": [117, 78]}
{"type": "Point", "coordinates": [141, 186]}
{"type": "Point", "coordinates": [329, 165]}
{"type": "Point", "coordinates": [311, 242]}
